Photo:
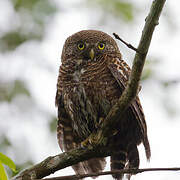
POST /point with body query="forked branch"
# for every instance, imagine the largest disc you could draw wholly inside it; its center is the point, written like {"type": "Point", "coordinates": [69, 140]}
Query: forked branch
{"type": "Point", "coordinates": [52, 164]}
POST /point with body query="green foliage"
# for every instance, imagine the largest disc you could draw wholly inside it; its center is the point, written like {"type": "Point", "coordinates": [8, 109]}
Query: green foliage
{"type": "Point", "coordinates": [169, 83]}
{"type": "Point", "coordinates": [4, 143]}
{"type": "Point", "coordinates": [11, 40]}
{"type": "Point", "coordinates": [13, 89]}
{"type": "Point", "coordinates": [32, 17]}
{"type": "Point", "coordinates": [119, 8]}
{"type": "Point", "coordinates": [148, 70]}
{"type": "Point", "coordinates": [39, 10]}
{"type": "Point", "coordinates": [8, 162]}
{"type": "Point", "coordinates": [44, 6]}
{"type": "Point", "coordinates": [53, 124]}
{"type": "Point", "coordinates": [147, 73]}
{"type": "Point", "coordinates": [3, 175]}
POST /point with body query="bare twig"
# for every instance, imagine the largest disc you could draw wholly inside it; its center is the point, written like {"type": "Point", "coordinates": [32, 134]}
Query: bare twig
{"type": "Point", "coordinates": [127, 44]}
{"type": "Point", "coordinates": [123, 171]}
{"type": "Point", "coordinates": [52, 164]}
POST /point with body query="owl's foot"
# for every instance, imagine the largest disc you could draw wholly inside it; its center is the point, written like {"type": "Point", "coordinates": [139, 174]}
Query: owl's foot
{"type": "Point", "coordinates": [99, 124]}
{"type": "Point", "coordinates": [89, 142]}
{"type": "Point", "coordinates": [101, 120]}
{"type": "Point", "coordinates": [95, 139]}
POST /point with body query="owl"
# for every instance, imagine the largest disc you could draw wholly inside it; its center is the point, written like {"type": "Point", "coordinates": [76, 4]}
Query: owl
{"type": "Point", "coordinates": [92, 77]}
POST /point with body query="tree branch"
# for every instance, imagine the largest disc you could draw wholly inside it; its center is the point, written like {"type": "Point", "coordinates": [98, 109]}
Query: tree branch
{"type": "Point", "coordinates": [127, 44]}
{"type": "Point", "coordinates": [52, 164]}
{"type": "Point", "coordinates": [61, 161]}
{"type": "Point", "coordinates": [123, 171]}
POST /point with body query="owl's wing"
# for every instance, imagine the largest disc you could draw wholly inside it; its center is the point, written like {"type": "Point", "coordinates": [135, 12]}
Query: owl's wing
{"type": "Point", "coordinates": [121, 71]}
{"type": "Point", "coordinates": [65, 135]}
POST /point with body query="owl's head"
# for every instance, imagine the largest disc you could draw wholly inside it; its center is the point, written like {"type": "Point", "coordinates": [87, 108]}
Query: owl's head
{"type": "Point", "coordinates": [88, 45]}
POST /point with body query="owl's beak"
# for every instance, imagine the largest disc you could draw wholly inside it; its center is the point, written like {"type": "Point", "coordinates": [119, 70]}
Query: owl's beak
{"type": "Point", "coordinates": [91, 54]}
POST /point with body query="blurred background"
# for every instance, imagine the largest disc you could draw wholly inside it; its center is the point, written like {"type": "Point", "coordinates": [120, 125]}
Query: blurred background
{"type": "Point", "coordinates": [32, 34]}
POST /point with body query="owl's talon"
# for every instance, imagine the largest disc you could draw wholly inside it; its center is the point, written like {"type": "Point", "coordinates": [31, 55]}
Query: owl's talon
{"type": "Point", "coordinates": [101, 119]}
{"type": "Point", "coordinates": [90, 141]}
{"type": "Point", "coordinates": [98, 125]}
{"type": "Point", "coordinates": [85, 143]}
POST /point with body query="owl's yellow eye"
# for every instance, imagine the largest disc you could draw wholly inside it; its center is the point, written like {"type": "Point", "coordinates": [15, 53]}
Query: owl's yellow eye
{"type": "Point", "coordinates": [101, 46]}
{"type": "Point", "coordinates": [81, 46]}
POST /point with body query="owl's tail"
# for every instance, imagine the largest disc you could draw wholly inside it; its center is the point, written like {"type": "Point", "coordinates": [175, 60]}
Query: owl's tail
{"type": "Point", "coordinates": [133, 158]}
{"type": "Point", "coordinates": [124, 159]}
{"type": "Point", "coordinates": [94, 165]}
{"type": "Point", "coordinates": [118, 162]}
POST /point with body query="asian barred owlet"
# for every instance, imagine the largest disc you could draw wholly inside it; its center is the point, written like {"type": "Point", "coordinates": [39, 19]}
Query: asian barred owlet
{"type": "Point", "coordinates": [91, 79]}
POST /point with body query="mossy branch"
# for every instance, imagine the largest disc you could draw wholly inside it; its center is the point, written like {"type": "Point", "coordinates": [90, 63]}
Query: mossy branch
{"type": "Point", "coordinates": [52, 164]}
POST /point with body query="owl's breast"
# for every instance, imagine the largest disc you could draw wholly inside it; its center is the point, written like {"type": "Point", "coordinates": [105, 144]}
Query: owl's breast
{"type": "Point", "coordinates": [100, 85]}
{"type": "Point", "coordinates": [89, 93]}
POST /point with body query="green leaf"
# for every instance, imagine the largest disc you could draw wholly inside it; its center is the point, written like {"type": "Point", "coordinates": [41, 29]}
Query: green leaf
{"type": "Point", "coordinates": [53, 124]}
{"type": "Point", "coordinates": [7, 161]}
{"type": "Point", "coordinates": [3, 175]}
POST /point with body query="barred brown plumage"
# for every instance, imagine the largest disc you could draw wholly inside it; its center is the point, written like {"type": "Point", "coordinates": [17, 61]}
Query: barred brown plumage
{"type": "Point", "coordinates": [91, 80]}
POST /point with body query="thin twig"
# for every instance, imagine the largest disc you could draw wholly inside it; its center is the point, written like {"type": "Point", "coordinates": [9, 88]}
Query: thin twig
{"type": "Point", "coordinates": [127, 44]}
{"type": "Point", "coordinates": [123, 171]}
